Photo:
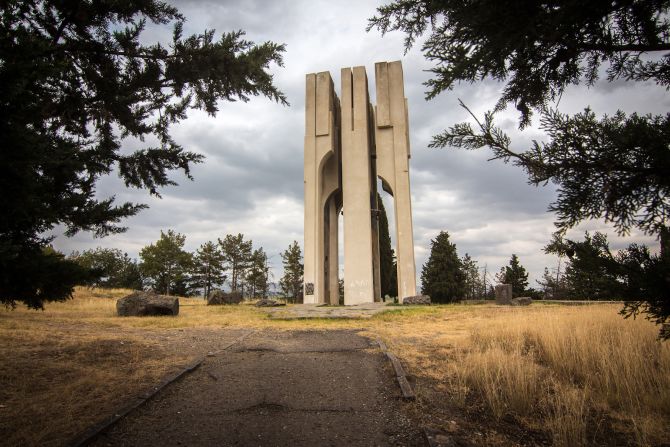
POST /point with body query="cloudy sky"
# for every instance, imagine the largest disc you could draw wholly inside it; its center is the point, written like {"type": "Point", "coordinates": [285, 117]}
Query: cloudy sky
{"type": "Point", "coordinates": [252, 179]}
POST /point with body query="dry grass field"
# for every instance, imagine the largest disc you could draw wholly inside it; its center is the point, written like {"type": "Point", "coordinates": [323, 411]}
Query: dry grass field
{"type": "Point", "coordinates": [545, 374]}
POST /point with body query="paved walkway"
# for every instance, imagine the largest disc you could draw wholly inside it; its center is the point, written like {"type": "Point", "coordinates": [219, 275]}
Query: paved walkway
{"type": "Point", "coordinates": [277, 388]}
{"type": "Point", "coordinates": [299, 311]}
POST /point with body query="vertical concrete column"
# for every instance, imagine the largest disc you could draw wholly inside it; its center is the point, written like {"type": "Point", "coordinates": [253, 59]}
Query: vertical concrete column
{"type": "Point", "coordinates": [376, 257]}
{"type": "Point", "coordinates": [356, 193]}
{"type": "Point", "coordinates": [333, 292]}
{"type": "Point", "coordinates": [393, 153]}
{"type": "Point", "coordinates": [321, 178]}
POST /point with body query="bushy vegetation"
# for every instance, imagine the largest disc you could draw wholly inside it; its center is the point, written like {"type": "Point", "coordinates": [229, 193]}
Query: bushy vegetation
{"type": "Point", "coordinates": [167, 268]}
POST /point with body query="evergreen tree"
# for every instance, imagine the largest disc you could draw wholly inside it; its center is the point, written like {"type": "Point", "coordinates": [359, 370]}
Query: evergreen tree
{"type": "Point", "coordinates": [643, 274]}
{"type": "Point", "coordinates": [236, 254]}
{"type": "Point", "coordinates": [633, 274]}
{"type": "Point", "coordinates": [111, 268]}
{"type": "Point", "coordinates": [291, 283]}
{"type": "Point", "coordinates": [442, 276]}
{"type": "Point", "coordinates": [553, 284]}
{"type": "Point", "coordinates": [78, 83]}
{"type": "Point", "coordinates": [516, 275]}
{"type": "Point", "coordinates": [387, 265]}
{"type": "Point", "coordinates": [616, 167]}
{"type": "Point", "coordinates": [473, 283]}
{"type": "Point", "coordinates": [208, 268]}
{"type": "Point", "coordinates": [166, 265]}
{"type": "Point", "coordinates": [592, 270]}
{"type": "Point", "coordinates": [257, 274]}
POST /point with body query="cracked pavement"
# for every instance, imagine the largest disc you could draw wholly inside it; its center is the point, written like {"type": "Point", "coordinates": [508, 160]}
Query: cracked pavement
{"type": "Point", "coordinates": [277, 388]}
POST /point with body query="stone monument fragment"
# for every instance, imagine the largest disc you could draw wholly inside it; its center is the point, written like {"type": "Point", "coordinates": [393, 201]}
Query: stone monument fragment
{"type": "Point", "coordinates": [503, 293]}
{"type": "Point", "coordinates": [144, 304]}
{"type": "Point", "coordinates": [219, 297]}
{"type": "Point", "coordinates": [349, 143]}
{"type": "Point", "coordinates": [415, 300]}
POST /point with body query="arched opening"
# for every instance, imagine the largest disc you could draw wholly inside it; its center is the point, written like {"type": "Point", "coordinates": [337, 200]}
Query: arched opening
{"type": "Point", "coordinates": [331, 244]}
{"type": "Point", "coordinates": [387, 242]}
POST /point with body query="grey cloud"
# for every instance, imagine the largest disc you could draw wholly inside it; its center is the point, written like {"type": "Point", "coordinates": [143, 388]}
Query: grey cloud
{"type": "Point", "coordinates": [252, 180]}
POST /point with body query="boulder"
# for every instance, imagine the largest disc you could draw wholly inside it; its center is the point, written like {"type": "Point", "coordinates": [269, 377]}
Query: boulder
{"type": "Point", "coordinates": [218, 297]}
{"type": "Point", "coordinates": [142, 304]}
{"type": "Point", "coordinates": [268, 303]}
{"type": "Point", "coordinates": [503, 293]}
{"type": "Point", "coordinates": [521, 301]}
{"type": "Point", "coordinates": [416, 299]}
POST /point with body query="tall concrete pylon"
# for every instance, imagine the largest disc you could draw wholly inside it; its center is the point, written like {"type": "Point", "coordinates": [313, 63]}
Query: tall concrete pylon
{"type": "Point", "coordinates": [322, 189]}
{"type": "Point", "coordinates": [347, 145]}
{"type": "Point", "coordinates": [393, 154]}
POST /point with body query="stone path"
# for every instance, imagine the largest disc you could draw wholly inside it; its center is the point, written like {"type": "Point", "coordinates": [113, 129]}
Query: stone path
{"type": "Point", "coordinates": [277, 388]}
{"type": "Point", "coordinates": [299, 311]}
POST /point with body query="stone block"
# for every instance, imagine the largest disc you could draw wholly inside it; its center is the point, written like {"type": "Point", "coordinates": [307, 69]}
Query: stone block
{"type": "Point", "coordinates": [416, 299]}
{"type": "Point", "coordinates": [268, 303]}
{"type": "Point", "coordinates": [503, 293]}
{"type": "Point", "coordinates": [142, 304]}
{"type": "Point", "coordinates": [218, 297]}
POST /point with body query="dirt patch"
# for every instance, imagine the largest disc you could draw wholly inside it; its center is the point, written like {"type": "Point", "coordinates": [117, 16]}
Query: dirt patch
{"type": "Point", "coordinates": [56, 383]}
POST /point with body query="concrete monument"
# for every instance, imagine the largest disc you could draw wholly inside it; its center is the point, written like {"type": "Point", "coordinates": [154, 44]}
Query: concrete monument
{"type": "Point", "coordinates": [348, 144]}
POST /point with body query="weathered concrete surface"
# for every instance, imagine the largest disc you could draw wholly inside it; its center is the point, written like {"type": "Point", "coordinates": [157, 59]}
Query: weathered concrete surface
{"type": "Point", "coordinates": [358, 182]}
{"type": "Point", "coordinates": [393, 154]}
{"type": "Point", "coordinates": [300, 311]}
{"type": "Point", "coordinates": [268, 303]}
{"type": "Point", "coordinates": [321, 183]}
{"type": "Point", "coordinates": [277, 388]}
{"type": "Point", "coordinates": [348, 144]}
{"type": "Point", "coordinates": [503, 293]}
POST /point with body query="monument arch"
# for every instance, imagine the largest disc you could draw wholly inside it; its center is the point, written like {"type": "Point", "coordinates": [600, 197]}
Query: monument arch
{"type": "Point", "coordinates": [349, 143]}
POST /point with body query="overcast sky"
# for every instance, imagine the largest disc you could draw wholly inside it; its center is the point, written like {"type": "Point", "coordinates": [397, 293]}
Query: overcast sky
{"type": "Point", "coordinates": [252, 179]}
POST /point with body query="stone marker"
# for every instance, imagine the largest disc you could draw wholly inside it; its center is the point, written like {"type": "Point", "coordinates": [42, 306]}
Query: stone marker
{"type": "Point", "coordinates": [503, 293]}
{"type": "Point", "coordinates": [218, 297]}
{"type": "Point", "coordinates": [416, 299]}
{"type": "Point", "coordinates": [268, 303]}
{"type": "Point", "coordinates": [141, 304]}
{"type": "Point", "coordinates": [521, 301]}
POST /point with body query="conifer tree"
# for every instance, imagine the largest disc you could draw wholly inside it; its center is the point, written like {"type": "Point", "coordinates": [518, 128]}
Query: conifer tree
{"type": "Point", "coordinates": [473, 284]}
{"type": "Point", "coordinates": [387, 265]}
{"type": "Point", "coordinates": [236, 254]}
{"type": "Point", "coordinates": [208, 268]}
{"type": "Point", "coordinates": [614, 167]}
{"type": "Point", "coordinates": [257, 274]}
{"type": "Point", "coordinates": [79, 85]}
{"type": "Point", "coordinates": [516, 275]}
{"type": "Point", "coordinates": [591, 272]}
{"type": "Point", "coordinates": [166, 265]}
{"type": "Point", "coordinates": [442, 276]}
{"type": "Point", "coordinates": [291, 283]}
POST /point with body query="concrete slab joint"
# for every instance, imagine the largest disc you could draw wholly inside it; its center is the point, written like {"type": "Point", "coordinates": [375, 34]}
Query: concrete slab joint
{"type": "Point", "coordinates": [349, 143]}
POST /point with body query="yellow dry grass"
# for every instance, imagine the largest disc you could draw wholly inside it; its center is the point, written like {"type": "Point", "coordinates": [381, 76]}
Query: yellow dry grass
{"type": "Point", "coordinates": [565, 369]}
{"type": "Point", "coordinates": [582, 374]}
